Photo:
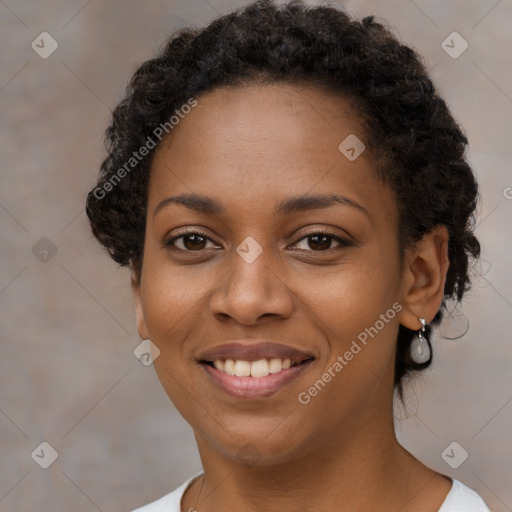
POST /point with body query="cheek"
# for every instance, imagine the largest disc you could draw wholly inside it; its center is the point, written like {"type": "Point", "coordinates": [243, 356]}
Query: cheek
{"type": "Point", "coordinates": [169, 297]}
{"type": "Point", "coordinates": [173, 300]}
{"type": "Point", "coordinates": [356, 308]}
{"type": "Point", "coordinates": [352, 295]}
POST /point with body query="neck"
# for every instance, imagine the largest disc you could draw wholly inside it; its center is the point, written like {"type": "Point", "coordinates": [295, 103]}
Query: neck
{"type": "Point", "coordinates": [361, 468]}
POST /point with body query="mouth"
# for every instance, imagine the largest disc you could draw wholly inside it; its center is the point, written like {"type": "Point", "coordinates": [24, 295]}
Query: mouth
{"type": "Point", "coordinates": [253, 371]}
{"type": "Point", "coordinates": [256, 369]}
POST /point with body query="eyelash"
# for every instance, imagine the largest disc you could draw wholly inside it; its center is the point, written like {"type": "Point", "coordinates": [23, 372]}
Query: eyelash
{"type": "Point", "coordinates": [342, 241]}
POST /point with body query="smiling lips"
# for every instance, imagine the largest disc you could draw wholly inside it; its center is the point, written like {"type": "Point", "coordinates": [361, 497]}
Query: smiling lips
{"type": "Point", "coordinates": [253, 370]}
{"type": "Point", "coordinates": [258, 369]}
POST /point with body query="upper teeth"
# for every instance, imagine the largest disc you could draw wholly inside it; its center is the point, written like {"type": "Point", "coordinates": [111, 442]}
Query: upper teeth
{"type": "Point", "coordinates": [259, 368]}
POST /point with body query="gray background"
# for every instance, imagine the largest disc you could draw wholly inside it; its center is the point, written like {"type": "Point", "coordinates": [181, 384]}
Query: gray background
{"type": "Point", "coordinates": [67, 330]}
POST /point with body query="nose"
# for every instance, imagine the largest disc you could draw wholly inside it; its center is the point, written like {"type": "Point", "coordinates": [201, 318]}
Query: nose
{"type": "Point", "coordinates": [251, 290]}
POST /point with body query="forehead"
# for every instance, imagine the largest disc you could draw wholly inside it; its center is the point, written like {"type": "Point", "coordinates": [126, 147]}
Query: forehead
{"type": "Point", "coordinates": [255, 144]}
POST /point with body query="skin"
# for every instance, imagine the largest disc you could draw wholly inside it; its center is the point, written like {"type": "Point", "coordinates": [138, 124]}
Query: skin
{"type": "Point", "coordinates": [249, 148]}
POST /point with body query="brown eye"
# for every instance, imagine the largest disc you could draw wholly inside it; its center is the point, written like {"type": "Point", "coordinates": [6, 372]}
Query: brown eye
{"type": "Point", "coordinates": [321, 241]}
{"type": "Point", "coordinates": [192, 242]}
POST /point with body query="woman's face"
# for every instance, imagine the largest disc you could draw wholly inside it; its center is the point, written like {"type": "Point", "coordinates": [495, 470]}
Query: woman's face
{"type": "Point", "coordinates": [263, 261]}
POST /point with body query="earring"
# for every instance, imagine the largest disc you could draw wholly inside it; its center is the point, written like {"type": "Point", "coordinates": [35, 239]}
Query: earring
{"type": "Point", "coordinates": [420, 350]}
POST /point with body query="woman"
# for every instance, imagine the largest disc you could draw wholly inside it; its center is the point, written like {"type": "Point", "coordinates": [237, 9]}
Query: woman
{"type": "Point", "coordinates": [291, 196]}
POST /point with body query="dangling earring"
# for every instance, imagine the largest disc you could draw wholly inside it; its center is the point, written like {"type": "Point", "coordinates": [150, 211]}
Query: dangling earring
{"type": "Point", "coordinates": [420, 350]}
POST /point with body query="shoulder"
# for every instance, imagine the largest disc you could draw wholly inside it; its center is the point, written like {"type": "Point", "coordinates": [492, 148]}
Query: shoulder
{"type": "Point", "coordinates": [463, 499]}
{"type": "Point", "coordinates": [170, 502]}
{"type": "Point", "coordinates": [459, 499]}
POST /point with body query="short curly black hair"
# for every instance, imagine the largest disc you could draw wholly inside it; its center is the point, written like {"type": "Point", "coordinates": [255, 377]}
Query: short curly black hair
{"type": "Point", "coordinates": [418, 148]}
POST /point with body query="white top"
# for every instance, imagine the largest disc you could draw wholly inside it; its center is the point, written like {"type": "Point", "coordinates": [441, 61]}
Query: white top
{"type": "Point", "coordinates": [459, 499]}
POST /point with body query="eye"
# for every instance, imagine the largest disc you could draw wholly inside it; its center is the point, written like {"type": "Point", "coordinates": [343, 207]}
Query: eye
{"type": "Point", "coordinates": [191, 241]}
{"type": "Point", "coordinates": [320, 241]}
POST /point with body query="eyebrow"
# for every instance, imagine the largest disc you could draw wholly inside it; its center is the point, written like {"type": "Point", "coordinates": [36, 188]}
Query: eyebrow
{"type": "Point", "coordinates": [210, 206]}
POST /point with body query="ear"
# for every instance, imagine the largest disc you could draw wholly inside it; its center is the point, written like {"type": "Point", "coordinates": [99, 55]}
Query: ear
{"type": "Point", "coordinates": [424, 277]}
{"type": "Point", "coordinates": [139, 312]}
